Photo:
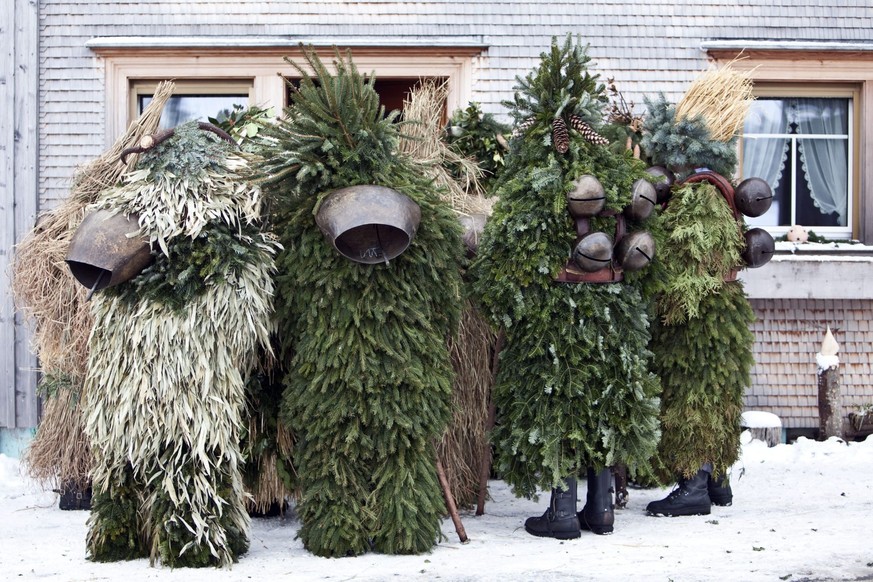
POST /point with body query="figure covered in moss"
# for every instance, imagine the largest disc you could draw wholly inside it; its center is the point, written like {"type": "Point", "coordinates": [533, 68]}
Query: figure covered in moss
{"type": "Point", "coordinates": [573, 392]}
{"type": "Point", "coordinates": [368, 293]}
{"type": "Point", "coordinates": [171, 349]}
{"type": "Point", "coordinates": [701, 339]}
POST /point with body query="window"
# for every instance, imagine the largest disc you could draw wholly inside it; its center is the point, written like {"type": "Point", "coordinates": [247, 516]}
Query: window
{"type": "Point", "coordinates": [803, 147]}
{"type": "Point", "coordinates": [192, 100]}
{"type": "Point", "coordinates": [796, 80]}
{"type": "Point", "coordinates": [207, 76]}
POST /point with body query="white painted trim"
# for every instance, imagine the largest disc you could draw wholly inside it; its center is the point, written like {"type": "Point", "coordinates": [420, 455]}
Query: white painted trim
{"type": "Point", "coordinates": [785, 45]}
{"type": "Point", "coordinates": [263, 70]}
{"type": "Point", "coordinates": [163, 42]}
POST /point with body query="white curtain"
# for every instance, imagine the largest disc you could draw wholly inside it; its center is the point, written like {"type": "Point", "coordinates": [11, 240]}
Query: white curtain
{"type": "Point", "coordinates": [824, 161]}
{"type": "Point", "coordinates": [764, 157]}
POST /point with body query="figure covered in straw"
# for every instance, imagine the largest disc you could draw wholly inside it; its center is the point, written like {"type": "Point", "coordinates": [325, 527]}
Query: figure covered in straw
{"type": "Point", "coordinates": [171, 349]}
{"type": "Point", "coordinates": [701, 338]}
{"type": "Point", "coordinates": [573, 392]}
{"type": "Point", "coordinates": [368, 294]}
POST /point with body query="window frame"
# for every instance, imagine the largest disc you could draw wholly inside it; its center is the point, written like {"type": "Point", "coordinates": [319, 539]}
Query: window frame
{"type": "Point", "coordinates": [818, 69]}
{"type": "Point", "coordinates": [141, 87]}
{"type": "Point", "coordinates": [126, 67]}
{"type": "Point", "coordinates": [831, 91]}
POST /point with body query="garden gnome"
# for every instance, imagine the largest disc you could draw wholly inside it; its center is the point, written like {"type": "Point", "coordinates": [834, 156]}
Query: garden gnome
{"type": "Point", "coordinates": [177, 323]}
{"type": "Point", "coordinates": [701, 338]}
{"type": "Point", "coordinates": [573, 393]}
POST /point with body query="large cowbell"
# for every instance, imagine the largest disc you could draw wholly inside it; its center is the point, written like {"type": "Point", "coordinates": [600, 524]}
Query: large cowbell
{"type": "Point", "coordinates": [107, 249]}
{"type": "Point", "coordinates": [368, 224]}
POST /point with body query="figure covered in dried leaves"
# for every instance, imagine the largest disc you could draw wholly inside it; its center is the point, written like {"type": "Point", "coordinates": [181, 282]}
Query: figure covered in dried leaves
{"type": "Point", "coordinates": [169, 354]}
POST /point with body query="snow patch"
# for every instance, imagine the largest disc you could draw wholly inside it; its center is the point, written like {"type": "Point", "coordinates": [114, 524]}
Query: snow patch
{"type": "Point", "coordinates": [759, 419]}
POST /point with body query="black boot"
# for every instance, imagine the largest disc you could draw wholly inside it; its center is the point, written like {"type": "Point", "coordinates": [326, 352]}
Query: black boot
{"type": "Point", "coordinates": [598, 515]}
{"type": "Point", "coordinates": [559, 521]}
{"type": "Point", "coordinates": [689, 498]}
{"type": "Point", "coordinates": [719, 489]}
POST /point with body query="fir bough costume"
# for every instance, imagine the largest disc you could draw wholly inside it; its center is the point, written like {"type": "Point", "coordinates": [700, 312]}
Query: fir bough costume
{"type": "Point", "coordinates": [368, 375]}
{"type": "Point", "coordinates": [170, 352]}
{"type": "Point", "coordinates": [701, 339]}
{"type": "Point", "coordinates": [573, 390]}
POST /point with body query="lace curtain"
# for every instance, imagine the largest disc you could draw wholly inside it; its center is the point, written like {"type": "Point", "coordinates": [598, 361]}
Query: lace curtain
{"type": "Point", "coordinates": [824, 162]}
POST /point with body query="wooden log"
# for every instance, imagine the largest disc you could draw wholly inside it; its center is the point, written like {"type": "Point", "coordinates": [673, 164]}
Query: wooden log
{"type": "Point", "coordinates": [830, 407]}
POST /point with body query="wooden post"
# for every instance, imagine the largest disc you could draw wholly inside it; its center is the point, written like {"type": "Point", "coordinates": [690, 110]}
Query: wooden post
{"type": "Point", "coordinates": [450, 503]}
{"type": "Point", "coordinates": [485, 468]}
{"type": "Point", "coordinates": [830, 409]}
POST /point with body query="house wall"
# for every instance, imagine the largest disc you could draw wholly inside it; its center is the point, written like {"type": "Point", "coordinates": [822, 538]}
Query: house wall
{"type": "Point", "coordinates": [788, 335]}
{"type": "Point", "coordinates": [18, 201]}
{"type": "Point", "coordinates": [646, 48]}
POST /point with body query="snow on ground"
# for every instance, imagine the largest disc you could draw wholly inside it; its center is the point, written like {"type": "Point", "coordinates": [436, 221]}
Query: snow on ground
{"type": "Point", "coordinates": [801, 512]}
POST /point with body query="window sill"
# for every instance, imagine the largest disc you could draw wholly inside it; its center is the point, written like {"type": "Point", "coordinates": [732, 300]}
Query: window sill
{"type": "Point", "coordinates": [813, 271]}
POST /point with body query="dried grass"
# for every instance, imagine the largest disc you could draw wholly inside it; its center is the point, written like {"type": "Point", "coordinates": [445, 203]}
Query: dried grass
{"type": "Point", "coordinates": [60, 449]}
{"type": "Point", "coordinates": [722, 97]}
{"type": "Point", "coordinates": [54, 303]}
{"type": "Point", "coordinates": [42, 285]}
{"type": "Point", "coordinates": [462, 446]}
{"type": "Point", "coordinates": [422, 140]}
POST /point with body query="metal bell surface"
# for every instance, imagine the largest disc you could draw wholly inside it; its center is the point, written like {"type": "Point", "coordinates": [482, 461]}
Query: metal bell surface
{"type": "Point", "coordinates": [753, 197]}
{"type": "Point", "coordinates": [587, 198]}
{"type": "Point", "coordinates": [368, 224]}
{"type": "Point", "coordinates": [104, 250]}
{"type": "Point", "coordinates": [593, 252]}
{"type": "Point", "coordinates": [760, 247]}
{"type": "Point", "coordinates": [643, 199]}
{"type": "Point", "coordinates": [635, 250]}
{"type": "Point", "coordinates": [664, 183]}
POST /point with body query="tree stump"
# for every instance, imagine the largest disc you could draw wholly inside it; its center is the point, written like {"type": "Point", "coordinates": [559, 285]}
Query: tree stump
{"type": "Point", "coordinates": [764, 426]}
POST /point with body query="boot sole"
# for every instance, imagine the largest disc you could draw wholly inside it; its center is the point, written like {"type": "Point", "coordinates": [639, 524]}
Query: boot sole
{"type": "Point", "coordinates": [556, 535]}
{"type": "Point", "coordinates": [680, 513]}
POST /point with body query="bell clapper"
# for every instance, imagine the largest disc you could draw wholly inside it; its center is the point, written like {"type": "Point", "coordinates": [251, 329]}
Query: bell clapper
{"type": "Point", "coordinates": [94, 286]}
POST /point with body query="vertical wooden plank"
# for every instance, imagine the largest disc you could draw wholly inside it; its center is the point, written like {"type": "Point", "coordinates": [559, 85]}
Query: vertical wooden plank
{"type": "Point", "coordinates": [7, 218]}
{"type": "Point", "coordinates": [26, 114]}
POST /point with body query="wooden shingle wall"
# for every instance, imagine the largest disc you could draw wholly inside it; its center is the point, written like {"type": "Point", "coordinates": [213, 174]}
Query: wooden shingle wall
{"type": "Point", "coordinates": [647, 47]}
{"type": "Point", "coordinates": [788, 335]}
{"type": "Point", "coordinates": [18, 200]}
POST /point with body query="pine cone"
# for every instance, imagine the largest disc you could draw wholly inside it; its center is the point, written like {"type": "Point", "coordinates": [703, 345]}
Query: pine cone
{"type": "Point", "coordinates": [560, 137]}
{"type": "Point", "coordinates": [523, 126]}
{"type": "Point", "coordinates": [587, 131]}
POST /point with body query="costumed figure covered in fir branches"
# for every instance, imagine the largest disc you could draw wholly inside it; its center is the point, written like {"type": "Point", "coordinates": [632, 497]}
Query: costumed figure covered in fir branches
{"type": "Point", "coordinates": [573, 392]}
{"type": "Point", "coordinates": [368, 293]}
{"type": "Point", "coordinates": [701, 339]}
{"type": "Point", "coordinates": [184, 276]}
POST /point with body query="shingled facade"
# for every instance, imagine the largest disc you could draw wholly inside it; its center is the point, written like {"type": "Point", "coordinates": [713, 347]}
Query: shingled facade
{"type": "Point", "coordinates": [73, 95]}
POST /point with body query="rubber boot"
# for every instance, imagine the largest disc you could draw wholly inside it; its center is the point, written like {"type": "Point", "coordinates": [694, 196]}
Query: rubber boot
{"type": "Point", "coordinates": [598, 514]}
{"type": "Point", "coordinates": [689, 498]}
{"type": "Point", "coordinates": [559, 521]}
{"type": "Point", "coordinates": [719, 490]}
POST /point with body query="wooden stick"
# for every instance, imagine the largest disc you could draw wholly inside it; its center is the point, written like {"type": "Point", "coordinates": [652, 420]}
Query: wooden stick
{"type": "Point", "coordinates": [450, 503]}
{"type": "Point", "coordinates": [485, 467]}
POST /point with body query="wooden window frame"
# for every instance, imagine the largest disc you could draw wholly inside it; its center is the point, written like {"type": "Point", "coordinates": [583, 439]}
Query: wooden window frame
{"type": "Point", "coordinates": [263, 68]}
{"type": "Point", "coordinates": [837, 91]}
{"type": "Point", "coordinates": [821, 72]}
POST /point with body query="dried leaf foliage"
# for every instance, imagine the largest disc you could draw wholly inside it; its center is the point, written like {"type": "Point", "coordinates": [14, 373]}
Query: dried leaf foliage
{"type": "Point", "coordinates": [54, 303]}
{"type": "Point", "coordinates": [165, 390]}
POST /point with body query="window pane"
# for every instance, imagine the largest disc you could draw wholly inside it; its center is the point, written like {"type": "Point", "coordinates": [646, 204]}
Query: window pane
{"type": "Point", "coordinates": [800, 146]}
{"type": "Point", "coordinates": [182, 108]}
